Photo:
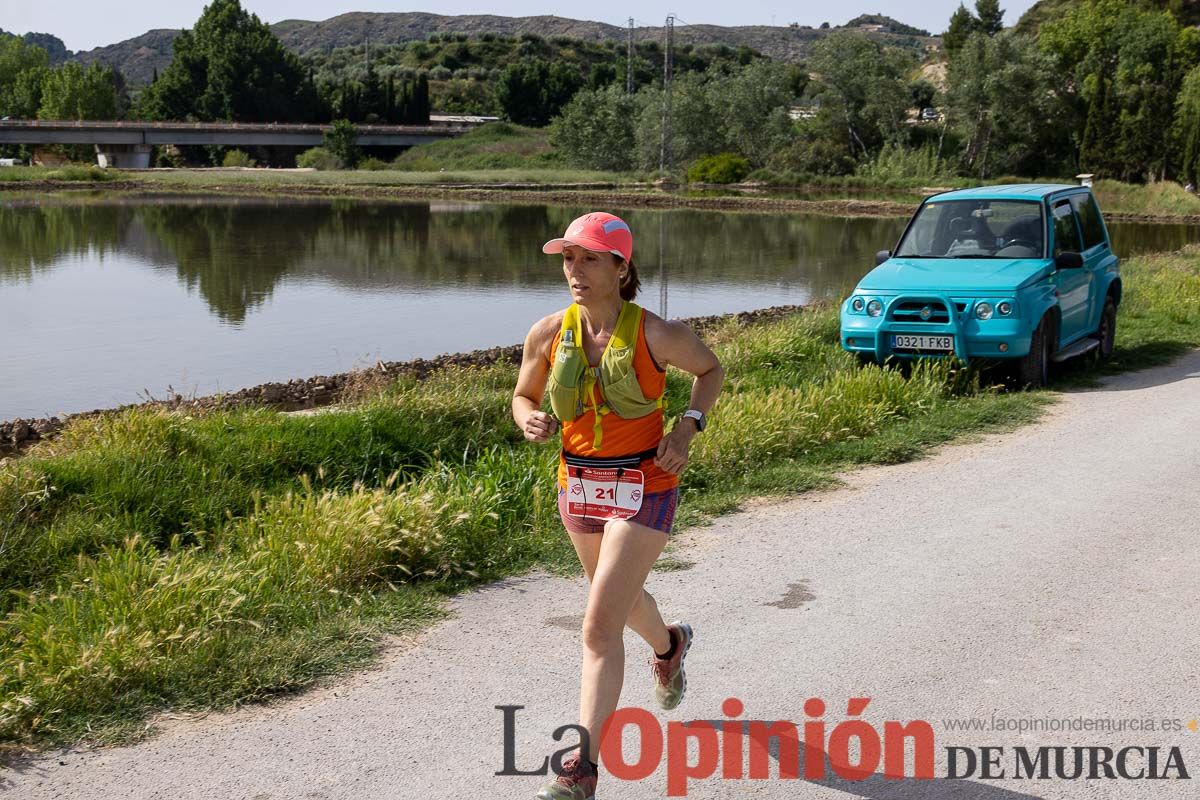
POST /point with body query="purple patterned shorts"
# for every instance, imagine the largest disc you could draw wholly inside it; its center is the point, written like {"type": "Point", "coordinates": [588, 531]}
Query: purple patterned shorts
{"type": "Point", "coordinates": [657, 512]}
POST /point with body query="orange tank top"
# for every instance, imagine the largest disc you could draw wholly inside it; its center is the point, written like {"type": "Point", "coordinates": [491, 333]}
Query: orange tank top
{"type": "Point", "coordinates": [621, 437]}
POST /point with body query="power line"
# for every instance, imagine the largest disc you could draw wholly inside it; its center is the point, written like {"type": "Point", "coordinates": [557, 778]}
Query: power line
{"type": "Point", "coordinates": [629, 61]}
{"type": "Point", "coordinates": [668, 77]}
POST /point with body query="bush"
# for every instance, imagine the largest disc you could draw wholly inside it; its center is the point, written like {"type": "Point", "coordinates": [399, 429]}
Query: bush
{"type": "Point", "coordinates": [895, 162]}
{"type": "Point", "coordinates": [319, 158]}
{"type": "Point", "coordinates": [341, 141]}
{"type": "Point", "coordinates": [81, 172]}
{"type": "Point", "coordinates": [372, 163]}
{"type": "Point", "coordinates": [721, 168]}
{"type": "Point", "coordinates": [237, 158]}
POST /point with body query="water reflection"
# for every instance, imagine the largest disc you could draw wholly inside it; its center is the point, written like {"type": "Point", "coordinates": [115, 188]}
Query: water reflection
{"type": "Point", "coordinates": [235, 251]}
{"type": "Point", "coordinates": [107, 298]}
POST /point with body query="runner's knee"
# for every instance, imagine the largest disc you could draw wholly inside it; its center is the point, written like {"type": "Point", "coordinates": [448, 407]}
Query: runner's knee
{"type": "Point", "coordinates": [601, 633]}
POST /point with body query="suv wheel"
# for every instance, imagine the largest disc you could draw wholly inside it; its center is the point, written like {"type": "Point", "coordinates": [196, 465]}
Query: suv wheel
{"type": "Point", "coordinates": [1033, 371]}
{"type": "Point", "coordinates": [1107, 332]}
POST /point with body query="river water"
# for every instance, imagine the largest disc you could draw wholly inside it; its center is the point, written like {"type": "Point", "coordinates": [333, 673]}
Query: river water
{"type": "Point", "coordinates": [109, 300]}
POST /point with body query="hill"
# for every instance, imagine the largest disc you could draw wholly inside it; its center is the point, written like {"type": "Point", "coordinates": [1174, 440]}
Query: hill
{"type": "Point", "coordinates": [138, 57]}
{"type": "Point", "coordinates": [135, 58]}
{"type": "Point", "coordinates": [53, 45]}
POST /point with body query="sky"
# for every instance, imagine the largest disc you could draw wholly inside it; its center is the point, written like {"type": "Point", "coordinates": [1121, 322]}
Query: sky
{"type": "Point", "coordinates": [84, 24]}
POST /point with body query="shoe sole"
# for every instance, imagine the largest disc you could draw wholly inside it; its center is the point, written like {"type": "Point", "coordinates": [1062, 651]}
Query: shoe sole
{"type": "Point", "coordinates": [687, 645]}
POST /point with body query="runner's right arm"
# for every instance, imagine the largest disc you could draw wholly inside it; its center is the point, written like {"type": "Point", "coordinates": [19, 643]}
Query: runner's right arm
{"type": "Point", "coordinates": [536, 424]}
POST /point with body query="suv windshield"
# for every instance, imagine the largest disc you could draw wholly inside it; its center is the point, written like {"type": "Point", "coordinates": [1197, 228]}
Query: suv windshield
{"type": "Point", "coordinates": [975, 229]}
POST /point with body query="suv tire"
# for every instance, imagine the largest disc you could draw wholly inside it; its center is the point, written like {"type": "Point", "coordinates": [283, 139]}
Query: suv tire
{"type": "Point", "coordinates": [1033, 371]}
{"type": "Point", "coordinates": [1107, 332]}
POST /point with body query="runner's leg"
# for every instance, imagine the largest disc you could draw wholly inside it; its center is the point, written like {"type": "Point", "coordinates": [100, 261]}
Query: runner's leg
{"type": "Point", "coordinates": [645, 619]}
{"type": "Point", "coordinates": [627, 552]}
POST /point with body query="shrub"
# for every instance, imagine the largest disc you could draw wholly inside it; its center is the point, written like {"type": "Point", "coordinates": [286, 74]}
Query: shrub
{"type": "Point", "coordinates": [318, 158]}
{"type": "Point", "coordinates": [81, 172]}
{"type": "Point", "coordinates": [341, 142]}
{"type": "Point", "coordinates": [237, 158]}
{"type": "Point", "coordinates": [721, 168]}
{"type": "Point", "coordinates": [372, 163]}
{"type": "Point", "coordinates": [895, 162]}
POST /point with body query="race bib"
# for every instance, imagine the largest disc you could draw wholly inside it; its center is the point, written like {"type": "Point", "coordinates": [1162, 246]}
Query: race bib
{"type": "Point", "coordinates": [603, 493]}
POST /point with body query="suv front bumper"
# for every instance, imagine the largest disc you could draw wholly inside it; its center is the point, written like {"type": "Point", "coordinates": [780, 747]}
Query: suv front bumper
{"type": "Point", "coordinates": [972, 337]}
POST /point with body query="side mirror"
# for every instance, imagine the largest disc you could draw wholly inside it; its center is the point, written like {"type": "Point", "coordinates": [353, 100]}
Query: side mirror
{"type": "Point", "coordinates": [1068, 260]}
{"type": "Point", "coordinates": [882, 256]}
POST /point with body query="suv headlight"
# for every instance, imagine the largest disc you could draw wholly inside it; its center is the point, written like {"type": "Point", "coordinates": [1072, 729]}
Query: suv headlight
{"type": "Point", "coordinates": [983, 310]}
{"type": "Point", "coordinates": [874, 308]}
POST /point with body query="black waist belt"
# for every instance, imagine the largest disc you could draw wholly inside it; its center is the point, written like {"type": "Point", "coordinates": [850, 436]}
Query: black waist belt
{"type": "Point", "coordinates": [611, 462]}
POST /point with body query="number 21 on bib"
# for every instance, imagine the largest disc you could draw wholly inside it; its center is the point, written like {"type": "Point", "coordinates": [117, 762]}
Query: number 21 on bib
{"type": "Point", "coordinates": [604, 493]}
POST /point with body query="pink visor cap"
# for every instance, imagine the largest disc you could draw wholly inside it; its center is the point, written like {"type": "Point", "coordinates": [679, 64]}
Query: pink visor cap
{"type": "Point", "coordinates": [597, 231]}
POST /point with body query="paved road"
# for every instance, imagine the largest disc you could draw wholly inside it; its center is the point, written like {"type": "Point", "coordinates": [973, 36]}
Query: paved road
{"type": "Point", "coordinates": [1048, 573]}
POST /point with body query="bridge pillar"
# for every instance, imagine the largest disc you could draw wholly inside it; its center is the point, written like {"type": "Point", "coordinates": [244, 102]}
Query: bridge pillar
{"type": "Point", "coordinates": [123, 156]}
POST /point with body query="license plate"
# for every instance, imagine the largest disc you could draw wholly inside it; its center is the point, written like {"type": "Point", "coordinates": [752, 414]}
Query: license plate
{"type": "Point", "coordinates": [941, 343]}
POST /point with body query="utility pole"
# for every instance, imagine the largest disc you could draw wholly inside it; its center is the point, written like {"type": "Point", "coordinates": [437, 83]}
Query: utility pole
{"type": "Point", "coordinates": [629, 60]}
{"type": "Point", "coordinates": [668, 77]}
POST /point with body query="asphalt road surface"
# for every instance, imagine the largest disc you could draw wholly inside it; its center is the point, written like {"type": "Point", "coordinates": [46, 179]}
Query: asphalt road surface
{"type": "Point", "coordinates": [1046, 575]}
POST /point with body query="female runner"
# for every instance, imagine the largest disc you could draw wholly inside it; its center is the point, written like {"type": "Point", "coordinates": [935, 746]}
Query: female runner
{"type": "Point", "coordinates": [603, 362]}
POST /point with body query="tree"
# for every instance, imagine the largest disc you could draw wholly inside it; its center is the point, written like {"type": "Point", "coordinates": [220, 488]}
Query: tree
{"type": "Point", "coordinates": [341, 140]}
{"type": "Point", "coordinates": [864, 84]}
{"type": "Point", "coordinates": [962, 25]}
{"type": "Point", "coordinates": [23, 67]}
{"type": "Point", "coordinates": [231, 67]}
{"type": "Point", "coordinates": [73, 92]}
{"type": "Point", "coordinates": [1122, 67]}
{"type": "Point", "coordinates": [752, 107]}
{"type": "Point", "coordinates": [596, 129]}
{"type": "Point", "coordinates": [1003, 137]}
{"type": "Point", "coordinates": [532, 91]}
{"type": "Point", "coordinates": [990, 16]}
{"type": "Point", "coordinates": [1187, 127]}
{"type": "Point", "coordinates": [921, 92]}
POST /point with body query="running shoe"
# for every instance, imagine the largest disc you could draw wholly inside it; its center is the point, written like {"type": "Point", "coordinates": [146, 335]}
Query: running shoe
{"type": "Point", "coordinates": [670, 682]}
{"type": "Point", "coordinates": [577, 782]}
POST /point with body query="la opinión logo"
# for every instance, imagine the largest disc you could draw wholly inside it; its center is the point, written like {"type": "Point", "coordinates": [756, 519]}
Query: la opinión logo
{"type": "Point", "coordinates": [740, 748]}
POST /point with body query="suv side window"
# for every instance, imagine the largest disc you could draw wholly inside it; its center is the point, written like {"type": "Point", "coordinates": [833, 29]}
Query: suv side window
{"type": "Point", "coordinates": [1066, 231]}
{"type": "Point", "coordinates": [1089, 219]}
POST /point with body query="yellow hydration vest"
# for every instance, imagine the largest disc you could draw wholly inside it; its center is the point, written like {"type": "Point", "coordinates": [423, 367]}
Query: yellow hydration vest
{"type": "Point", "coordinates": [572, 380]}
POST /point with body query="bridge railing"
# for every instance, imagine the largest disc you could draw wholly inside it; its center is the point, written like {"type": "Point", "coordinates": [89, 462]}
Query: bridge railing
{"type": "Point", "coordinates": [216, 127]}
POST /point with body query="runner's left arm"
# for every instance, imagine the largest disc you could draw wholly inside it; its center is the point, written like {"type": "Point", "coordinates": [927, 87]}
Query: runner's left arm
{"type": "Point", "coordinates": [677, 345]}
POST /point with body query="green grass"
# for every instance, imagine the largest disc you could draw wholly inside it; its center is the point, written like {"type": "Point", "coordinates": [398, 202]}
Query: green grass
{"type": "Point", "coordinates": [498, 145]}
{"type": "Point", "coordinates": [80, 173]}
{"type": "Point", "coordinates": [267, 179]}
{"type": "Point", "coordinates": [151, 560]}
{"type": "Point", "coordinates": [1166, 199]}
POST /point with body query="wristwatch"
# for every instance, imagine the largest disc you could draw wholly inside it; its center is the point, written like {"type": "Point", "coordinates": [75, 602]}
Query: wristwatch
{"type": "Point", "coordinates": [701, 420]}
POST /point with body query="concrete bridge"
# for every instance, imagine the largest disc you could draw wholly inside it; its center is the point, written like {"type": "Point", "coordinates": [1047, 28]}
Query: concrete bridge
{"type": "Point", "coordinates": [127, 143]}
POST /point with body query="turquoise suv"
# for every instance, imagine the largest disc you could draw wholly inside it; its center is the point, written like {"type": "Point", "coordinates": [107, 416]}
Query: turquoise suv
{"type": "Point", "coordinates": [1023, 273]}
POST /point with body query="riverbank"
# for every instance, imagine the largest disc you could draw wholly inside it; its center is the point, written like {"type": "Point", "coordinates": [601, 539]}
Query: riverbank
{"type": "Point", "coordinates": [192, 559]}
{"type": "Point", "coordinates": [323, 390]}
{"type": "Point", "coordinates": [1166, 203]}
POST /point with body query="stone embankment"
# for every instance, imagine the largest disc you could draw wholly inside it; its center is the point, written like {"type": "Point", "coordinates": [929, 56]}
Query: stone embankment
{"type": "Point", "coordinates": [323, 390]}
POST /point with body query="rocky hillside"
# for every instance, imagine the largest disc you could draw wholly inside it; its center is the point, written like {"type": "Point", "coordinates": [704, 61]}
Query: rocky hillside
{"type": "Point", "coordinates": [53, 45]}
{"type": "Point", "coordinates": [137, 58]}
